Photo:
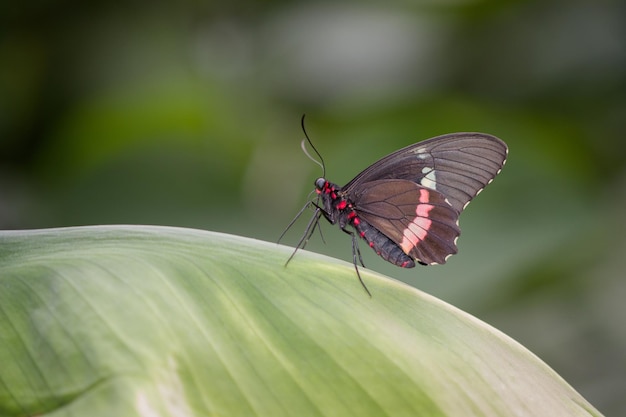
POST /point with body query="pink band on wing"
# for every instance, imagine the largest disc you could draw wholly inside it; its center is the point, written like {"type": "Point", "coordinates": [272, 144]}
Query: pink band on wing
{"type": "Point", "coordinates": [419, 226]}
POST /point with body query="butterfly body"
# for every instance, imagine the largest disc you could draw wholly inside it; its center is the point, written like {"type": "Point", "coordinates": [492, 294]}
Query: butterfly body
{"type": "Point", "coordinates": [338, 209]}
{"type": "Point", "coordinates": [406, 206]}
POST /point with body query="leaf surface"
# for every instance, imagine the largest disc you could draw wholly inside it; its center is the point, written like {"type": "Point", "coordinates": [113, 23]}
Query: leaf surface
{"type": "Point", "coordinates": [156, 321]}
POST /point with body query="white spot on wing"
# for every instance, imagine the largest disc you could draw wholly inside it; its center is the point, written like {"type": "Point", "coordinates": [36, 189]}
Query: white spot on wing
{"type": "Point", "coordinates": [422, 153]}
{"type": "Point", "coordinates": [430, 179]}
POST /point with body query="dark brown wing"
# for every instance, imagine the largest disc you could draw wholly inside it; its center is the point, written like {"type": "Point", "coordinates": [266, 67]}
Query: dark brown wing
{"type": "Point", "coordinates": [458, 165]}
{"type": "Point", "coordinates": [418, 219]}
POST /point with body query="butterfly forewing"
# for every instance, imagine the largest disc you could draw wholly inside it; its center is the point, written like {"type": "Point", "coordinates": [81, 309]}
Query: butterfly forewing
{"type": "Point", "coordinates": [458, 165]}
{"type": "Point", "coordinates": [417, 219]}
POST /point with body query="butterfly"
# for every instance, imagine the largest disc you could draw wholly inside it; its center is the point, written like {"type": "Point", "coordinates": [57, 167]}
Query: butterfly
{"type": "Point", "coordinates": [406, 206]}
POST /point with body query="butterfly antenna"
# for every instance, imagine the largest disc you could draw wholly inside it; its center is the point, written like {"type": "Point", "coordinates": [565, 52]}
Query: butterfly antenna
{"type": "Point", "coordinates": [303, 146]}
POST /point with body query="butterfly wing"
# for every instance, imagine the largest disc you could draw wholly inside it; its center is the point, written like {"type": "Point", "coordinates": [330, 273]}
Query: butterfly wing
{"type": "Point", "coordinates": [416, 218]}
{"type": "Point", "coordinates": [457, 165]}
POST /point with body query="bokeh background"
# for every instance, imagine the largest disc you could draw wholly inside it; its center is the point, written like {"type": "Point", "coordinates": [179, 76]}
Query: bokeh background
{"type": "Point", "coordinates": [187, 114]}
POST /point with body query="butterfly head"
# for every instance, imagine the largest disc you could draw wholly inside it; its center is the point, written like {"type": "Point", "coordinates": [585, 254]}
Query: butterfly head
{"type": "Point", "coordinates": [324, 187]}
{"type": "Point", "coordinates": [320, 185]}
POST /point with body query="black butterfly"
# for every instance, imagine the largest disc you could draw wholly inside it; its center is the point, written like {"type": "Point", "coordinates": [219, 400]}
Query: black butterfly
{"type": "Point", "coordinates": [406, 206]}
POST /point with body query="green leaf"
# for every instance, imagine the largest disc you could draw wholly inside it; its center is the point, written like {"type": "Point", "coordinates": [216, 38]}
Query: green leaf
{"type": "Point", "coordinates": [154, 321]}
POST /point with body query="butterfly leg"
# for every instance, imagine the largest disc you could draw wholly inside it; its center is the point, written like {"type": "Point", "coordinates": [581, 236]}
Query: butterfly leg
{"type": "Point", "coordinates": [306, 206]}
{"type": "Point", "coordinates": [355, 247]}
{"type": "Point", "coordinates": [310, 228]}
{"type": "Point", "coordinates": [356, 252]}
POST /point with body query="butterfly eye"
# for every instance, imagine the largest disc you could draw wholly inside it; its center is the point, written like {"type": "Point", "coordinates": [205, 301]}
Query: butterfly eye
{"type": "Point", "coordinates": [320, 183]}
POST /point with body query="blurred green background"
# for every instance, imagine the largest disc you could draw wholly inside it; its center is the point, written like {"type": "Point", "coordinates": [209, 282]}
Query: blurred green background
{"type": "Point", "coordinates": [187, 114]}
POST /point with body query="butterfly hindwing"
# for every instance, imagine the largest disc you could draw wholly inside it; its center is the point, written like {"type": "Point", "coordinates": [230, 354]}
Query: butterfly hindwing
{"type": "Point", "coordinates": [417, 219]}
{"type": "Point", "coordinates": [457, 165]}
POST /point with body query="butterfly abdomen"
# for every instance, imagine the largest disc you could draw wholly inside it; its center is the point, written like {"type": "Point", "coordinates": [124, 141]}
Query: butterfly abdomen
{"type": "Point", "coordinates": [383, 246]}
